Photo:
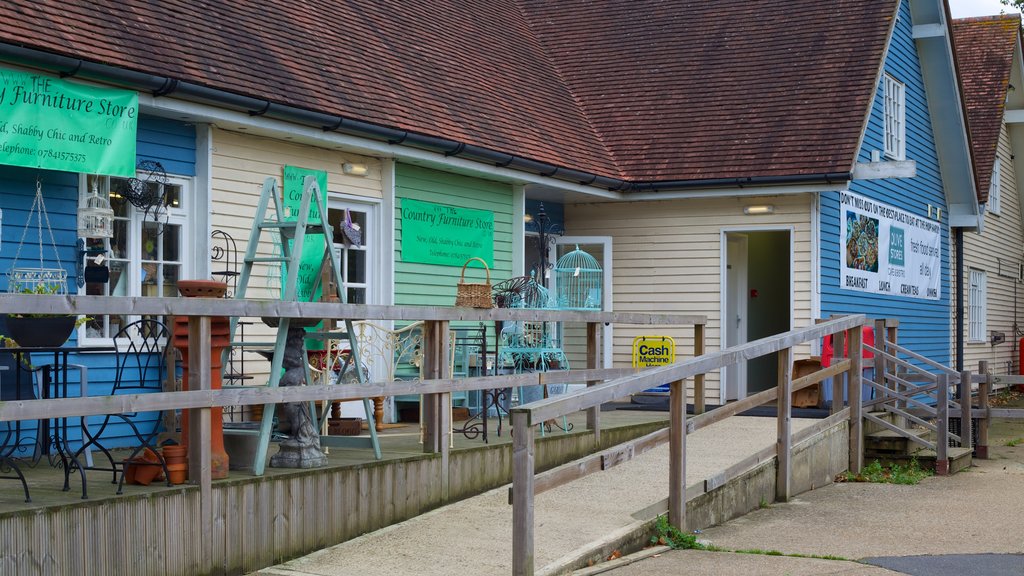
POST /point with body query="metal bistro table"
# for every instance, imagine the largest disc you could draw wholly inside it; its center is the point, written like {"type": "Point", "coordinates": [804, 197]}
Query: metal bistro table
{"type": "Point", "coordinates": [52, 434]}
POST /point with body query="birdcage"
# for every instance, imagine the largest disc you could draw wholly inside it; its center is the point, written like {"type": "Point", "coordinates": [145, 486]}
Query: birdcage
{"type": "Point", "coordinates": [578, 280]}
{"type": "Point", "coordinates": [95, 217]}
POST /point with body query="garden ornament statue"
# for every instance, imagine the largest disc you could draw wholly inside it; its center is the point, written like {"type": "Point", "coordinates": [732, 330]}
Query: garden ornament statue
{"type": "Point", "coordinates": [302, 448]}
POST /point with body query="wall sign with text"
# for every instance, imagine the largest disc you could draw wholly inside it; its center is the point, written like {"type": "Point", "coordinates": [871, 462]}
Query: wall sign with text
{"type": "Point", "coordinates": [885, 250]}
{"type": "Point", "coordinates": [445, 235]}
{"type": "Point", "coordinates": [314, 245]}
{"type": "Point", "coordinates": [54, 124]}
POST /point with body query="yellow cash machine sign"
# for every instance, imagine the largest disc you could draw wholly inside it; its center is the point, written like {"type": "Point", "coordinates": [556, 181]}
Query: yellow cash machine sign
{"type": "Point", "coordinates": [653, 351]}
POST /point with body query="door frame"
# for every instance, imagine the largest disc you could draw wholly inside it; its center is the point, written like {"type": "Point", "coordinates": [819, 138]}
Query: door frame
{"type": "Point", "coordinates": [734, 378]}
{"type": "Point", "coordinates": [607, 265]}
{"type": "Point", "coordinates": [723, 295]}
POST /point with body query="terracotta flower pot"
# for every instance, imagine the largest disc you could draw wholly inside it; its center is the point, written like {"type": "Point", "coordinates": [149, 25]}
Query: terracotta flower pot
{"type": "Point", "coordinates": [143, 469]}
{"type": "Point", "coordinates": [177, 473]}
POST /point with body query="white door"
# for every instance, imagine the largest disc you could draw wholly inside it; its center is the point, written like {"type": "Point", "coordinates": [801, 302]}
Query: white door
{"type": "Point", "coordinates": [734, 314]}
{"type": "Point", "coordinates": [600, 247]}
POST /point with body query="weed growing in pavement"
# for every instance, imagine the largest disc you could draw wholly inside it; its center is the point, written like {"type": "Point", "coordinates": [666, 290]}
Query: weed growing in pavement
{"type": "Point", "coordinates": [666, 534]}
{"type": "Point", "coordinates": [794, 555]}
{"type": "Point", "coordinates": [1014, 442]}
{"type": "Point", "coordinates": [895, 474]}
{"type": "Point", "coordinates": [764, 504]}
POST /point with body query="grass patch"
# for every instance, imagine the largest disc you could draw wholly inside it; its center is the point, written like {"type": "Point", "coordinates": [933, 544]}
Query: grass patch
{"type": "Point", "coordinates": [1014, 442]}
{"type": "Point", "coordinates": [793, 555]}
{"type": "Point", "coordinates": [666, 534]}
{"type": "Point", "coordinates": [895, 474]}
{"type": "Point", "coordinates": [764, 504]}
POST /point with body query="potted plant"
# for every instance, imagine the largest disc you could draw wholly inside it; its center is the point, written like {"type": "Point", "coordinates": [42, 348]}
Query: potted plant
{"type": "Point", "coordinates": [41, 330]}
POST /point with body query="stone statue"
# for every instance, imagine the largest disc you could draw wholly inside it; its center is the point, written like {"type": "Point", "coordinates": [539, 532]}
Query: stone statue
{"type": "Point", "coordinates": [302, 448]}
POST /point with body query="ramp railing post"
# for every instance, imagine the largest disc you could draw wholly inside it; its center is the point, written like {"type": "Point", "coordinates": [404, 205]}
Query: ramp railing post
{"type": "Point", "coordinates": [522, 494]}
{"type": "Point", "coordinates": [966, 423]}
{"type": "Point", "coordinates": [593, 356]}
{"type": "Point", "coordinates": [856, 354]}
{"type": "Point", "coordinates": [838, 381]}
{"type": "Point", "coordinates": [784, 417]}
{"type": "Point", "coordinates": [677, 455]}
{"type": "Point", "coordinates": [984, 389]}
{"type": "Point", "coordinates": [942, 425]}
{"type": "Point", "coordinates": [699, 399]}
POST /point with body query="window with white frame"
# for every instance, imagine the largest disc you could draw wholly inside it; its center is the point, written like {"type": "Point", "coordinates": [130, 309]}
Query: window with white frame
{"type": "Point", "coordinates": [895, 119]}
{"type": "Point", "coordinates": [977, 309]}
{"type": "Point", "coordinates": [356, 260]}
{"type": "Point", "coordinates": [993, 188]}
{"type": "Point", "coordinates": [148, 252]}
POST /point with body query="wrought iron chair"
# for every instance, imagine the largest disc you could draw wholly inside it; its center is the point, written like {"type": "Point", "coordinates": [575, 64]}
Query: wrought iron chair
{"type": "Point", "coordinates": [140, 369]}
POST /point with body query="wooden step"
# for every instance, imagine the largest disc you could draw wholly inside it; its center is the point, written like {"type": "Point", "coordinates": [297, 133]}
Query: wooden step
{"type": "Point", "coordinates": [886, 442]}
{"type": "Point", "coordinates": [958, 459]}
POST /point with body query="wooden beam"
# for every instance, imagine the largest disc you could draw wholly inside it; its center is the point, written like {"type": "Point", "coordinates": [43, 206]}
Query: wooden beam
{"type": "Point", "coordinates": [784, 439]}
{"type": "Point", "coordinates": [984, 389]}
{"type": "Point", "coordinates": [254, 308]}
{"type": "Point", "coordinates": [200, 470]}
{"type": "Point", "coordinates": [942, 426]}
{"type": "Point", "coordinates": [522, 495]}
{"type": "Point", "coordinates": [886, 169]}
{"type": "Point", "coordinates": [854, 337]}
{"type": "Point", "coordinates": [731, 409]}
{"type": "Point", "coordinates": [593, 357]}
{"type": "Point", "coordinates": [677, 455]}
{"type": "Point", "coordinates": [838, 383]}
{"type": "Point", "coordinates": [964, 389]}
{"type": "Point", "coordinates": [699, 394]}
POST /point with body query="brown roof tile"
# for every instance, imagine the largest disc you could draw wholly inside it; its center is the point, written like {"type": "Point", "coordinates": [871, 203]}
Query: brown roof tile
{"type": "Point", "coordinates": [984, 52]}
{"type": "Point", "coordinates": [647, 90]}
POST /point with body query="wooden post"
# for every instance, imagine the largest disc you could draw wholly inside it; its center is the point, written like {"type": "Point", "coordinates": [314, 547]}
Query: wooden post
{"type": "Point", "coordinates": [880, 364]}
{"type": "Point", "coordinates": [784, 438]}
{"type": "Point", "coordinates": [444, 404]}
{"type": "Point", "coordinates": [199, 469]}
{"type": "Point", "coordinates": [966, 423]}
{"type": "Point", "coordinates": [699, 398]}
{"type": "Point", "coordinates": [593, 358]}
{"type": "Point", "coordinates": [677, 455]}
{"type": "Point", "coordinates": [838, 353]}
{"type": "Point", "coordinates": [522, 495]}
{"type": "Point", "coordinates": [984, 389]}
{"type": "Point", "coordinates": [431, 370]}
{"type": "Point", "coordinates": [942, 425]}
{"type": "Point", "coordinates": [853, 379]}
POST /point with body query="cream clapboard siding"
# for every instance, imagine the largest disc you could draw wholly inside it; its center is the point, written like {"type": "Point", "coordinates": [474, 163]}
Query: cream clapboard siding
{"type": "Point", "coordinates": [241, 162]}
{"type": "Point", "coordinates": [998, 251]}
{"type": "Point", "coordinates": [666, 258]}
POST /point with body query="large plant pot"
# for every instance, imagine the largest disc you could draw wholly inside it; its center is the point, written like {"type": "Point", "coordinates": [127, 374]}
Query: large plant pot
{"type": "Point", "coordinates": [40, 331]}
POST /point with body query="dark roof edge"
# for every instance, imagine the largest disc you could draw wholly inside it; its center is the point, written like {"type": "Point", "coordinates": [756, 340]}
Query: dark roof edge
{"type": "Point", "coordinates": [67, 66]}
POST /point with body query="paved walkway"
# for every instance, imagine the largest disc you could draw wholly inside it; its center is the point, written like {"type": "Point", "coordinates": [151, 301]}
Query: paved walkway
{"type": "Point", "coordinates": [474, 536]}
{"type": "Point", "coordinates": [968, 523]}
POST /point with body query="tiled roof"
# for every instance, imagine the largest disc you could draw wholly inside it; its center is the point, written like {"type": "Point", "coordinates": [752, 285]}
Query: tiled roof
{"type": "Point", "coordinates": [984, 52]}
{"type": "Point", "coordinates": [697, 89]}
{"type": "Point", "coordinates": [646, 90]}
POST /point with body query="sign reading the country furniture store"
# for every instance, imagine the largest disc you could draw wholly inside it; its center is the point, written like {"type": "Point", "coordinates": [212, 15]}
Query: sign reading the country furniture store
{"type": "Point", "coordinates": [445, 235]}
{"type": "Point", "coordinates": [53, 124]}
{"type": "Point", "coordinates": [885, 250]}
{"type": "Point", "coordinates": [313, 246]}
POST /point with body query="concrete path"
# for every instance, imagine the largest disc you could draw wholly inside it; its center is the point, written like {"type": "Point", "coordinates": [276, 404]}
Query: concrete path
{"type": "Point", "coordinates": [475, 536]}
{"type": "Point", "coordinates": [968, 523]}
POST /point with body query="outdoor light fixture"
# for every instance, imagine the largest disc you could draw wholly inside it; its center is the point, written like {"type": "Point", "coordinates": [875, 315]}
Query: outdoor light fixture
{"type": "Point", "coordinates": [759, 209]}
{"type": "Point", "coordinates": [354, 169]}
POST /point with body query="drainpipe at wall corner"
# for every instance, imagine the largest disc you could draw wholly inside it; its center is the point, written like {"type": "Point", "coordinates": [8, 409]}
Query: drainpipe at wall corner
{"type": "Point", "coordinates": [958, 235]}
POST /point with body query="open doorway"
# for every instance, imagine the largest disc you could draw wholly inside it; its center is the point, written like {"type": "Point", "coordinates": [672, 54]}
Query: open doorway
{"type": "Point", "coordinates": [757, 302]}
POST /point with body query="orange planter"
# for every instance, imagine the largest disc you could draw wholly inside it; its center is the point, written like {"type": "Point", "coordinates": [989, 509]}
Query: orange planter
{"type": "Point", "coordinates": [177, 473]}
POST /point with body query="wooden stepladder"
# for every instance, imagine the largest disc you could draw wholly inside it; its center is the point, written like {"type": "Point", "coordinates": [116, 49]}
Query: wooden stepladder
{"type": "Point", "coordinates": [296, 229]}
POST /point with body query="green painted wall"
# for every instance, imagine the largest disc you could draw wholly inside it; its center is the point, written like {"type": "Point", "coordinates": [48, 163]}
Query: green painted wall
{"type": "Point", "coordinates": [432, 284]}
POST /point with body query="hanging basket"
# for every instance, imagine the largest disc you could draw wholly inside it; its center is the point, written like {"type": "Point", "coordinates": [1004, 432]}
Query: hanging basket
{"type": "Point", "coordinates": [474, 294]}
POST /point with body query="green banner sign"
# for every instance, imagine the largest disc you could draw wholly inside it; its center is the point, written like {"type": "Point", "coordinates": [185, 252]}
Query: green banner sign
{"type": "Point", "coordinates": [445, 235]}
{"type": "Point", "coordinates": [58, 125]}
{"type": "Point", "coordinates": [313, 247]}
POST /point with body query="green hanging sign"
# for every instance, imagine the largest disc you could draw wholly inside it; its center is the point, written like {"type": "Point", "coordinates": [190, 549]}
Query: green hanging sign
{"type": "Point", "coordinates": [313, 247]}
{"type": "Point", "coordinates": [445, 235]}
{"type": "Point", "coordinates": [53, 124]}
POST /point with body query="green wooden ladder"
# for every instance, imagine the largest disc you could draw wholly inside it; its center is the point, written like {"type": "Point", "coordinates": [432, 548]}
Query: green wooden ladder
{"type": "Point", "coordinates": [296, 231]}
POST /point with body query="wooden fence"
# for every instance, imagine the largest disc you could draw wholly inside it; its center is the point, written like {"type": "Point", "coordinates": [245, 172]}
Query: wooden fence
{"type": "Point", "coordinates": [525, 485]}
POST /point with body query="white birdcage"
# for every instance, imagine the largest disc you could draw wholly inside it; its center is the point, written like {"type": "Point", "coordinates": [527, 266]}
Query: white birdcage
{"type": "Point", "coordinates": [95, 217]}
{"type": "Point", "coordinates": [578, 281]}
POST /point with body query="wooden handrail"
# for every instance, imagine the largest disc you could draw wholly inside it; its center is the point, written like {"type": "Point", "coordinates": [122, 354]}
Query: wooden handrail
{"type": "Point", "coordinates": [556, 407]}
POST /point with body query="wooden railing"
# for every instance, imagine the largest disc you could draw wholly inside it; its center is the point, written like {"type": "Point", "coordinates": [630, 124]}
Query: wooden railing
{"type": "Point", "coordinates": [525, 484]}
{"type": "Point", "coordinates": [437, 385]}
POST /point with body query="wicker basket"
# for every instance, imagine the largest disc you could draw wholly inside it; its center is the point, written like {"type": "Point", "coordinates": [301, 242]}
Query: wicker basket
{"type": "Point", "coordinates": [474, 294]}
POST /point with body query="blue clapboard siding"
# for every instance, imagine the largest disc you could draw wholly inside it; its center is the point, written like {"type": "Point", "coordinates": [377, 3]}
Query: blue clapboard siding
{"type": "Point", "coordinates": [924, 324]}
{"type": "Point", "coordinates": [169, 142]}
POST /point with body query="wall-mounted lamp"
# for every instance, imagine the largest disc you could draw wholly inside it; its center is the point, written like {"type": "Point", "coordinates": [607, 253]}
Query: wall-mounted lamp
{"type": "Point", "coordinates": [354, 169]}
{"type": "Point", "coordinates": [527, 218]}
{"type": "Point", "coordinates": [759, 209]}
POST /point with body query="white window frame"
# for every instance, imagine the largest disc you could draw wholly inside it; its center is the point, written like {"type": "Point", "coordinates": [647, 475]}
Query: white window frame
{"type": "Point", "coordinates": [977, 309]}
{"type": "Point", "coordinates": [993, 188]}
{"type": "Point", "coordinates": [371, 244]}
{"type": "Point", "coordinates": [180, 215]}
{"type": "Point", "coordinates": [895, 115]}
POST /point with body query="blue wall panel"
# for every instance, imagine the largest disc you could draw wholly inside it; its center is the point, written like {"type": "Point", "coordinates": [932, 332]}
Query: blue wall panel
{"type": "Point", "coordinates": [169, 142]}
{"type": "Point", "coordinates": [924, 324]}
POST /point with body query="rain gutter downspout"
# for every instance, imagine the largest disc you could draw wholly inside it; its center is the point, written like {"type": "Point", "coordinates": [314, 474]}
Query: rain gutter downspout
{"type": "Point", "coordinates": [163, 86]}
{"type": "Point", "coordinates": [959, 236]}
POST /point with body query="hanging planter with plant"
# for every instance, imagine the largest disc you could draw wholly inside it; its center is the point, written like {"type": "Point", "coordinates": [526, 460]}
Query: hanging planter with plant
{"type": "Point", "coordinates": [39, 330]}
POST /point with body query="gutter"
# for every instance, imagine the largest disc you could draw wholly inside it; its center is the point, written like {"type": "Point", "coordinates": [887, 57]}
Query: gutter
{"type": "Point", "coordinates": [67, 66]}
